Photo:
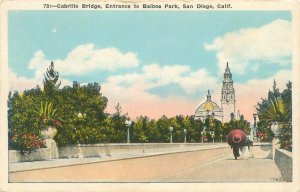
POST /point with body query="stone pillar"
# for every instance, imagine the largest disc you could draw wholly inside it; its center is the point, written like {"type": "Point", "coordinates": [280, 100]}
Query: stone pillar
{"type": "Point", "coordinates": [51, 144]}
{"type": "Point", "coordinates": [275, 146]}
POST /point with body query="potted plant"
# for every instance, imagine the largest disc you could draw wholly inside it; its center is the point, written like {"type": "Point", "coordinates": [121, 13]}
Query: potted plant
{"type": "Point", "coordinates": [48, 120]}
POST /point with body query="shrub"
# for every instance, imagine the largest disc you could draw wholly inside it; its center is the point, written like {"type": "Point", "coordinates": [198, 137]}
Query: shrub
{"type": "Point", "coordinates": [26, 142]}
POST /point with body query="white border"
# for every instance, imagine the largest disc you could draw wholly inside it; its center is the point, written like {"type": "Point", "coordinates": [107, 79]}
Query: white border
{"type": "Point", "coordinates": [293, 6]}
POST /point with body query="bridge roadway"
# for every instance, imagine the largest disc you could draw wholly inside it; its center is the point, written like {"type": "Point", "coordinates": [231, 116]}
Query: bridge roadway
{"type": "Point", "coordinates": [210, 164]}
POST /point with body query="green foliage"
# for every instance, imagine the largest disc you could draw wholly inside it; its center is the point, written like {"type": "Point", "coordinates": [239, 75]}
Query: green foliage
{"type": "Point", "coordinates": [26, 142]}
{"type": "Point", "coordinates": [23, 121]}
{"type": "Point", "coordinates": [34, 109]}
{"type": "Point", "coordinates": [82, 113]}
{"type": "Point", "coordinates": [277, 108]}
{"type": "Point", "coordinates": [46, 111]}
{"type": "Point", "coordinates": [50, 82]}
{"type": "Point", "coordinates": [264, 131]}
{"type": "Point", "coordinates": [274, 110]}
{"type": "Point", "coordinates": [47, 115]}
{"type": "Point", "coordinates": [234, 124]}
{"type": "Point", "coordinates": [285, 136]}
{"type": "Point", "coordinates": [150, 130]}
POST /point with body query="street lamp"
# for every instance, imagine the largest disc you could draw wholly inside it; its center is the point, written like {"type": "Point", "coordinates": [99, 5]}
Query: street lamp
{"type": "Point", "coordinates": [184, 131]}
{"type": "Point", "coordinates": [203, 133]}
{"type": "Point", "coordinates": [171, 130]}
{"type": "Point", "coordinates": [128, 124]}
{"type": "Point", "coordinates": [254, 126]}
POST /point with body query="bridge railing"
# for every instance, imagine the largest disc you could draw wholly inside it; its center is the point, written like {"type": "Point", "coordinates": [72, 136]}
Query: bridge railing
{"type": "Point", "coordinates": [100, 150]}
{"type": "Point", "coordinates": [284, 162]}
{"type": "Point", "coordinates": [111, 149]}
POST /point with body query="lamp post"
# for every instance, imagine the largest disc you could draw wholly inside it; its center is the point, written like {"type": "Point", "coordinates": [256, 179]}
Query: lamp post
{"type": "Point", "coordinates": [184, 131]}
{"type": "Point", "coordinates": [171, 131]}
{"type": "Point", "coordinates": [203, 133]}
{"type": "Point", "coordinates": [254, 126]}
{"type": "Point", "coordinates": [128, 124]}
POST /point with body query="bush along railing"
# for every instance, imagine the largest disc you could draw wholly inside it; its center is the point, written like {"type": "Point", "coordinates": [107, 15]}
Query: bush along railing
{"type": "Point", "coordinates": [27, 142]}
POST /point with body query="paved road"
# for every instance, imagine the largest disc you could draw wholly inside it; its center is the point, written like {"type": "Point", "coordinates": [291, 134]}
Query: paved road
{"type": "Point", "coordinates": [229, 170]}
{"type": "Point", "coordinates": [215, 165]}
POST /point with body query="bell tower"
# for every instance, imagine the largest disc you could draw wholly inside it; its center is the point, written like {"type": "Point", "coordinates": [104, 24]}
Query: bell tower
{"type": "Point", "coordinates": [228, 96]}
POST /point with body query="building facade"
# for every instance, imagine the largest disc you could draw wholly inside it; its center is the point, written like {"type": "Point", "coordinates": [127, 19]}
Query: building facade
{"type": "Point", "coordinates": [227, 109]}
{"type": "Point", "coordinates": [209, 108]}
{"type": "Point", "coordinates": [228, 96]}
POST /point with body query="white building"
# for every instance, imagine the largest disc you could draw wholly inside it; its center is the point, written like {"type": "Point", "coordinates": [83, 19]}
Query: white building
{"type": "Point", "coordinates": [210, 108]}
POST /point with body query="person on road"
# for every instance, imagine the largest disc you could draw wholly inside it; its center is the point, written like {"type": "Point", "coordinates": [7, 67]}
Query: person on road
{"type": "Point", "coordinates": [237, 139]}
{"type": "Point", "coordinates": [246, 148]}
{"type": "Point", "coordinates": [236, 151]}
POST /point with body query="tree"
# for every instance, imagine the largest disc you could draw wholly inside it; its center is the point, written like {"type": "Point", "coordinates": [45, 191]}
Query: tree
{"type": "Point", "coordinates": [237, 124]}
{"type": "Point", "coordinates": [23, 120]}
{"type": "Point", "coordinates": [118, 123]}
{"type": "Point", "coordinates": [278, 109]}
{"type": "Point", "coordinates": [140, 129]}
{"type": "Point", "coordinates": [50, 82]}
{"type": "Point", "coordinates": [81, 109]}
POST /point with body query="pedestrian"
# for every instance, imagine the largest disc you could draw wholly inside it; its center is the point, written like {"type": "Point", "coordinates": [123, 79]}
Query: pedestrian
{"type": "Point", "coordinates": [236, 151]}
{"type": "Point", "coordinates": [246, 148]}
{"type": "Point", "coordinates": [237, 139]}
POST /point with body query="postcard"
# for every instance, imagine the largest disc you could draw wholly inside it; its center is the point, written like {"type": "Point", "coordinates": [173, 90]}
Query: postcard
{"type": "Point", "coordinates": [149, 95]}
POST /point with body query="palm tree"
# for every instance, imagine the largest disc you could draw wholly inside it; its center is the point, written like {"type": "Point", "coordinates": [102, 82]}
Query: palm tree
{"type": "Point", "coordinates": [278, 110]}
{"type": "Point", "coordinates": [275, 109]}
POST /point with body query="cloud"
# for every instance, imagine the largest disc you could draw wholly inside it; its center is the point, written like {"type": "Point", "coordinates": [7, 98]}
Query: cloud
{"type": "Point", "coordinates": [132, 90]}
{"type": "Point", "coordinates": [84, 59]}
{"type": "Point", "coordinates": [242, 48]}
{"type": "Point", "coordinates": [250, 93]}
{"type": "Point", "coordinates": [154, 75]}
{"type": "Point", "coordinates": [136, 101]}
{"type": "Point", "coordinates": [79, 61]}
{"type": "Point", "coordinates": [21, 83]}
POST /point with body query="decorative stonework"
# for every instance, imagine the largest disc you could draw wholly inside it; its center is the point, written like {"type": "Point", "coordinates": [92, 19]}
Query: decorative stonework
{"type": "Point", "coordinates": [228, 96]}
{"type": "Point", "coordinates": [210, 108]}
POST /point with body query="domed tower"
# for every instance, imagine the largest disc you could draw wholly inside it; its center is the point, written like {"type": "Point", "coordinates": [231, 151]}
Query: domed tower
{"type": "Point", "coordinates": [228, 96]}
{"type": "Point", "coordinates": [208, 108]}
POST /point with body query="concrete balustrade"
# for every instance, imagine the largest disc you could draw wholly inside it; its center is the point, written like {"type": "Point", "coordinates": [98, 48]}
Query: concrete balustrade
{"type": "Point", "coordinates": [103, 150]}
{"type": "Point", "coordinates": [116, 149]}
{"type": "Point", "coordinates": [100, 150]}
{"type": "Point", "coordinates": [284, 162]}
{"type": "Point", "coordinates": [39, 155]}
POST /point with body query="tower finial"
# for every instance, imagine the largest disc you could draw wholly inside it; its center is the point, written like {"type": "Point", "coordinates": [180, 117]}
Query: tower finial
{"type": "Point", "coordinates": [227, 65]}
{"type": "Point", "coordinates": [208, 96]}
{"type": "Point", "coordinates": [52, 64]}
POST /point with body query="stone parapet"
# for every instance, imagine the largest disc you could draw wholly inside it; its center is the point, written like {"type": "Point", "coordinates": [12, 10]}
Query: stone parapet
{"type": "Point", "coordinates": [284, 161]}
{"type": "Point", "coordinates": [38, 155]}
{"type": "Point", "coordinates": [101, 150]}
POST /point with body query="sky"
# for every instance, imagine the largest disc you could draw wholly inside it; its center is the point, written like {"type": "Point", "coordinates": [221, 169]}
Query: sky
{"type": "Point", "coordinates": [154, 63]}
